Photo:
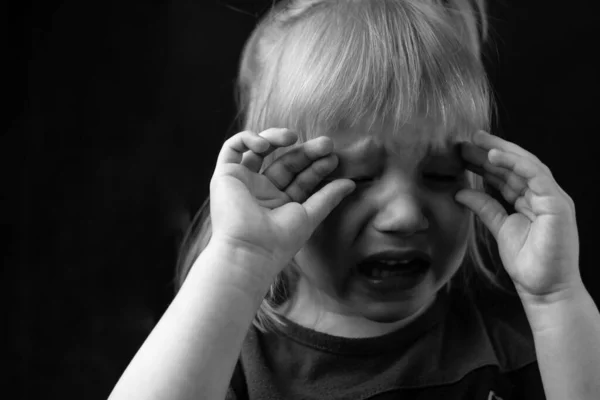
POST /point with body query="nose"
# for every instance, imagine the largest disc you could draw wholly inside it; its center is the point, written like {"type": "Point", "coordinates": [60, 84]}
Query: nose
{"type": "Point", "coordinates": [400, 211]}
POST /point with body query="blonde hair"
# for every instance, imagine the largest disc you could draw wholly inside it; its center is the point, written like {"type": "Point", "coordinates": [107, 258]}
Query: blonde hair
{"type": "Point", "coordinates": [316, 66]}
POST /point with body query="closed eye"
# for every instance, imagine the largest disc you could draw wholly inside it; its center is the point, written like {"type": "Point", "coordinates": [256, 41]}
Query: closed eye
{"type": "Point", "coordinates": [362, 179]}
{"type": "Point", "coordinates": [443, 179]}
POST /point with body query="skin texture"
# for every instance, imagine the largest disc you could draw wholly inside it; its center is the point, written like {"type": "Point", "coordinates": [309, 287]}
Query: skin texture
{"type": "Point", "coordinates": [404, 200]}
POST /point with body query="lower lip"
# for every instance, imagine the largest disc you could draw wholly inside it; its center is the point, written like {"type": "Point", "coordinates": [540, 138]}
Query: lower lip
{"type": "Point", "coordinates": [405, 281]}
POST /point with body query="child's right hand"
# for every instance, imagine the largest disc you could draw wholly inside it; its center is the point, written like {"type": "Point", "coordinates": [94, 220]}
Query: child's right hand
{"type": "Point", "coordinates": [272, 214]}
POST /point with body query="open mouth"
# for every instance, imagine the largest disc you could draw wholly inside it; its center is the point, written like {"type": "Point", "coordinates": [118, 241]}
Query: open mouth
{"type": "Point", "coordinates": [382, 269]}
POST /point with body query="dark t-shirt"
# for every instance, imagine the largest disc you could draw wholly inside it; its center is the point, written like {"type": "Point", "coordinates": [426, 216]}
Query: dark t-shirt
{"type": "Point", "coordinates": [455, 350]}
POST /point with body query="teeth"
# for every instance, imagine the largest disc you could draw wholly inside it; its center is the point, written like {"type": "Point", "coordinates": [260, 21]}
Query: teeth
{"type": "Point", "coordinates": [393, 262]}
{"type": "Point", "coordinates": [384, 273]}
{"type": "Point", "coordinates": [377, 273]}
{"type": "Point", "coordinates": [390, 268]}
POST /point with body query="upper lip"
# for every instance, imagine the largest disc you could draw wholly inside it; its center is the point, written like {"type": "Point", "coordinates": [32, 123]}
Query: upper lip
{"type": "Point", "coordinates": [398, 254]}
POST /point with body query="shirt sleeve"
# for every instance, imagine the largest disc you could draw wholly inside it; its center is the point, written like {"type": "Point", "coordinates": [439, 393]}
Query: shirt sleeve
{"type": "Point", "coordinates": [528, 383]}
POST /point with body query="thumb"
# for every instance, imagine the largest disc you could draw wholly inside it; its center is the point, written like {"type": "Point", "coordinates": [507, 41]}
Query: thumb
{"type": "Point", "coordinates": [321, 203]}
{"type": "Point", "coordinates": [301, 220]}
{"type": "Point", "coordinates": [488, 209]}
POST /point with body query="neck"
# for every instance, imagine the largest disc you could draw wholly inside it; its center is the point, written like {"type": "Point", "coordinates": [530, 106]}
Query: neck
{"type": "Point", "coordinates": [313, 309]}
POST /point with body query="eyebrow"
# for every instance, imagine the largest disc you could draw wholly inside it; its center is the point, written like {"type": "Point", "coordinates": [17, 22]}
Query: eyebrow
{"type": "Point", "coordinates": [363, 150]}
{"type": "Point", "coordinates": [450, 153]}
{"type": "Point", "coordinates": [356, 154]}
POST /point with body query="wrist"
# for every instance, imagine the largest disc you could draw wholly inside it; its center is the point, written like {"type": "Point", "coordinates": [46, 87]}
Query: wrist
{"type": "Point", "coordinates": [565, 294]}
{"type": "Point", "coordinates": [549, 311]}
{"type": "Point", "coordinates": [237, 264]}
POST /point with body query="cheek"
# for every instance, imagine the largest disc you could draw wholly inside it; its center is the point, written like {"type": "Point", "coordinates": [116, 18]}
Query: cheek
{"type": "Point", "coordinates": [453, 230]}
{"type": "Point", "coordinates": [323, 259]}
{"type": "Point", "coordinates": [449, 214]}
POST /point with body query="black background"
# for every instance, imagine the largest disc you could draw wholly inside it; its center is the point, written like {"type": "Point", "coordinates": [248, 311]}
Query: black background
{"type": "Point", "coordinates": [116, 111]}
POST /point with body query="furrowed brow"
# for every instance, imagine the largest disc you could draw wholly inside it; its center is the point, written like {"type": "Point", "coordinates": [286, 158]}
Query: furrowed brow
{"type": "Point", "coordinates": [449, 155]}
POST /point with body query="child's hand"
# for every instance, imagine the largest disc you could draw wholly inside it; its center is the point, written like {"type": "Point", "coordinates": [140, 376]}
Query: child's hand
{"type": "Point", "coordinates": [272, 214]}
{"type": "Point", "coordinates": [538, 244]}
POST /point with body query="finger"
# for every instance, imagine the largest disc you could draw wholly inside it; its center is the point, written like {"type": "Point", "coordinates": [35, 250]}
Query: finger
{"type": "Point", "coordinates": [252, 161]}
{"type": "Point", "coordinates": [305, 182]}
{"type": "Point", "coordinates": [509, 185]}
{"type": "Point", "coordinates": [488, 142]}
{"type": "Point", "coordinates": [515, 193]}
{"type": "Point", "coordinates": [321, 203]}
{"type": "Point", "coordinates": [542, 194]}
{"type": "Point", "coordinates": [477, 160]}
{"type": "Point", "coordinates": [475, 155]}
{"type": "Point", "coordinates": [503, 179]}
{"type": "Point", "coordinates": [507, 191]}
{"type": "Point", "coordinates": [277, 137]}
{"type": "Point", "coordinates": [234, 147]}
{"type": "Point", "coordinates": [488, 209]}
{"type": "Point", "coordinates": [283, 170]}
{"type": "Point", "coordinates": [523, 206]}
{"type": "Point", "coordinates": [540, 183]}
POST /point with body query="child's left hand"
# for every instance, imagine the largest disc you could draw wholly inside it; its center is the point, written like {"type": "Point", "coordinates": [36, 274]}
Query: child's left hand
{"type": "Point", "coordinates": [538, 244]}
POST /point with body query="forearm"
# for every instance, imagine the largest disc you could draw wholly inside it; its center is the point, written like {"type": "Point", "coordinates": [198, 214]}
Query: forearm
{"type": "Point", "coordinates": [567, 341]}
{"type": "Point", "coordinates": [192, 351]}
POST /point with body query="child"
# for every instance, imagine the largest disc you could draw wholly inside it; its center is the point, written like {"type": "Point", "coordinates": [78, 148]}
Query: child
{"type": "Point", "coordinates": [348, 265]}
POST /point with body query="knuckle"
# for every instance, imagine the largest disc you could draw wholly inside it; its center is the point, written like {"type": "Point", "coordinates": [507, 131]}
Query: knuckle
{"type": "Point", "coordinates": [297, 193]}
{"type": "Point", "coordinates": [292, 162]}
{"type": "Point", "coordinates": [229, 141]}
{"type": "Point", "coordinates": [321, 168]}
{"type": "Point", "coordinates": [226, 170]}
{"type": "Point", "coordinates": [546, 170]}
{"type": "Point", "coordinates": [304, 182]}
{"type": "Point", "coordinates": [570, 202]}
{"type": "Point", "coordinates": [272, 130]}
{"type": "Point", "coordinates": [243, 135]}
{"type": "Point", "coordinates": [489, 208]}
{"type": "Point", "coordinates": [540, 165]}
{"type": "Point", "coordinates": [549, 180]}
{"type": "Point", "coordinates": [536, 159]}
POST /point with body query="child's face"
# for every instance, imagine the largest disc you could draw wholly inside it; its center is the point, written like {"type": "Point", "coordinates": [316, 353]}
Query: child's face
{"type": "Point", "coordinates": [404, 201]}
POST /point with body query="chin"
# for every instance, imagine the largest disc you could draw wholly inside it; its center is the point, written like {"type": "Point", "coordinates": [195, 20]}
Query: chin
{"type": "Point", "coordinates": [390, 312]}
